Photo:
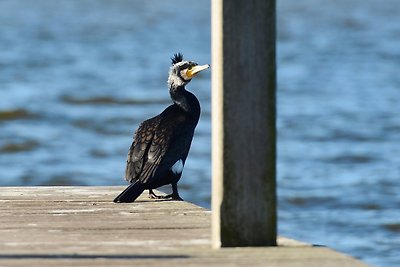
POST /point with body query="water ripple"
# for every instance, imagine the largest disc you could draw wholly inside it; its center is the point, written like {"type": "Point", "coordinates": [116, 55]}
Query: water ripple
{"type": "Point", "coordinates": [16, 114]}
{"type": "Point", "coordinates": [109, 100]}
{"type": "Point", "coordinates": [19, 147]}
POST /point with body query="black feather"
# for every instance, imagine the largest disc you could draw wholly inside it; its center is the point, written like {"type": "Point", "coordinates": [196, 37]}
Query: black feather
{"type": "Point", "coordinates": [178, 57]}
{"type": "Point", "coordinates": [131, 193]}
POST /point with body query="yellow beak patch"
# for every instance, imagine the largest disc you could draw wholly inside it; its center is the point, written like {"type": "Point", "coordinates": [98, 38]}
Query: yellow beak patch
{"type": "Point", "coordinates": [196, 69]}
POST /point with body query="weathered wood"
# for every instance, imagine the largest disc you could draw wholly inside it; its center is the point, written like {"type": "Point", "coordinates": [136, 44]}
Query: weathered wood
{"type": "Point", "coordinates": [243, 123]}
{"type": "Point", "coordinates": [81, 226]}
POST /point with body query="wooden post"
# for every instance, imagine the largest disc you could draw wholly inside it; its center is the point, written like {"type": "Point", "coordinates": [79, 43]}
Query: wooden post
{"type": "Point", "coordinates": [243, 123]}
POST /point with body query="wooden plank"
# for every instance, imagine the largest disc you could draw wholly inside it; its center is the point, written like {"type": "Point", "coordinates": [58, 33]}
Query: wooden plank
{"type": "Point", "coordinates": [243, 123]}
{"type": "Point", "coordinates": [81, 226]}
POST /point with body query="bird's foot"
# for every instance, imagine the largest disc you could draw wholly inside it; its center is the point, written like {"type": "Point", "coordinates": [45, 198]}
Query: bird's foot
{"type": "Point", "coordinates": [173, 197]}
{"type": "Point", "coordinates": [152, 195]}
{"type": "Point", "coordinates": [177, 198]}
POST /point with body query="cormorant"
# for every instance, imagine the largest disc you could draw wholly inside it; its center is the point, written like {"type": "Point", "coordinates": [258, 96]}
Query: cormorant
{"type": "Point", "coordinates": [161, 144]}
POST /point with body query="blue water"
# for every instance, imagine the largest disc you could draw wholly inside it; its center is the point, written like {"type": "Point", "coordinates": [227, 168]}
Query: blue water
{"type": "Point", "coordinates": [76, 78]}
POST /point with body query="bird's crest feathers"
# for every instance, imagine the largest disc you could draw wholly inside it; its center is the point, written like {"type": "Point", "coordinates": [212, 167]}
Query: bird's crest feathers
{"type": "Point", "coordinates": [177, 58]}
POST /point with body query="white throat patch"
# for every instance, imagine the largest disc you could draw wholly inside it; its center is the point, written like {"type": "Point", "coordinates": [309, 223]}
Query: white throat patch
{"type": "Point", "coordinates": [177, 167]}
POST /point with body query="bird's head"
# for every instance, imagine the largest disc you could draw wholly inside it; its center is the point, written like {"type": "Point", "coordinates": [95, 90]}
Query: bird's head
{"type": "Point", "coordinates": [182, 71]}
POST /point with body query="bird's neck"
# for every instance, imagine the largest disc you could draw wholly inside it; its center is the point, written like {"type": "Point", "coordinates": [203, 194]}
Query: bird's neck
{"type": "Point", "coordinates": [185, 100]}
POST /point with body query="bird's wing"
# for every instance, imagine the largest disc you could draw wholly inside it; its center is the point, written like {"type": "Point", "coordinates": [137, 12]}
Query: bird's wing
{"type": "Point", "coordinates": [157, 147]}
{"type": "Point", "coordinates": [155, 157]}
{"type": "Point", "coordinates": [137, 153]}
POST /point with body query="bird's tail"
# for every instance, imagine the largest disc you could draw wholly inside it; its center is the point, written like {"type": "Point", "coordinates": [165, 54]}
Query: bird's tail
{"type": "Point", "coordinates": [131, 193]}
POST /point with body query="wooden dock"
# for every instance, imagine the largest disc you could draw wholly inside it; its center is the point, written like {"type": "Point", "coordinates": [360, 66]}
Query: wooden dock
{"type": "Point", "coordinates": [81, 226]}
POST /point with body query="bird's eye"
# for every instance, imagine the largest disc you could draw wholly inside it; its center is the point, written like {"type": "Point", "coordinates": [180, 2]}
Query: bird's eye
{"type": "Point", "coordinates": [190, 67]}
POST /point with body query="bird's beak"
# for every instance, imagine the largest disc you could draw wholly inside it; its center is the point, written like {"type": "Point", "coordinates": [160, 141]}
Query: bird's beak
{"type": "Point", "coordinates": [196, 69]}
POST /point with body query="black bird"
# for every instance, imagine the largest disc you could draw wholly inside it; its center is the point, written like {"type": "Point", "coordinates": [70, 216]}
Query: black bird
{"type": "Point", "coordinates": [161, 144]}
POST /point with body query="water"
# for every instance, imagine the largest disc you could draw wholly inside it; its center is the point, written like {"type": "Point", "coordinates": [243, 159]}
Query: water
{"type": "Point", "coordinates": [339, 95]}
{"type": "Point", "coordinates": [76, 78]}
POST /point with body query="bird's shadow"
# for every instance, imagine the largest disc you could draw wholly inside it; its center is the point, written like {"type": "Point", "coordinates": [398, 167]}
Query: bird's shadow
{"type": "Point", "coordinates": [152, 200]}
{"type": "Point", "coordinates": [87, 256]}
